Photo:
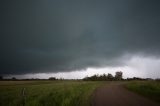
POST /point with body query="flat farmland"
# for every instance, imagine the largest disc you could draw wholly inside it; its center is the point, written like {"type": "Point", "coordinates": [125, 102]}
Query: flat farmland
{"type": "Point", "coordinates": [79, 93]}
{"type": "Point", "coordinates": [47, 93]}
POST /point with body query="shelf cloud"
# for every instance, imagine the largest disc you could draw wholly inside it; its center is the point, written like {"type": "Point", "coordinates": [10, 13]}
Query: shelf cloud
{"type": "Point", "coordinates": [62, 36]}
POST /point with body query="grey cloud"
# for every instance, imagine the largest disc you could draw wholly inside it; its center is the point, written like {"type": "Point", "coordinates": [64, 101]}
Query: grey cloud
{"type": "Point", "coordinates": [52, 36]}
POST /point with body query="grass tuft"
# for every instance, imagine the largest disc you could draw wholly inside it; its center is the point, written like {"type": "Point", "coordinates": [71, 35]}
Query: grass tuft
{"type": "Point", "coordinates": [150, 89]}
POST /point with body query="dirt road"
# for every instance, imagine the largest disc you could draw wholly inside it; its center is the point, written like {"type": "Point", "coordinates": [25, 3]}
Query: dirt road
{"type": "Point", "coordinates": [115, 94]}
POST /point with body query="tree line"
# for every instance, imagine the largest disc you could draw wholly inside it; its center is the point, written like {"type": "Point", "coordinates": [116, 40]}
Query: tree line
{"type": "Point", "coordinates": [105, 77]}
{"type": "Point", "coordinates": [96, 77]}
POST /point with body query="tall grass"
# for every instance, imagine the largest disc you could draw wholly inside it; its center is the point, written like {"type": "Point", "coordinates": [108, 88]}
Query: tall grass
{"type": "Point", "coordinates": [47, 93]}
{"type": "Point", "coordinates": [150, 89]}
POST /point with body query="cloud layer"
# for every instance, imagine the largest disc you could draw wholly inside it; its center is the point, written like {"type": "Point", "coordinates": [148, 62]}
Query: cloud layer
{"type": "Point", "coordinates": [61, 36]}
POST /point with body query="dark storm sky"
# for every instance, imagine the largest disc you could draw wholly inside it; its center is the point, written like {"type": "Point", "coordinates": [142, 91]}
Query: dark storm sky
{"type": "Point", "coordinates": [38, 36]}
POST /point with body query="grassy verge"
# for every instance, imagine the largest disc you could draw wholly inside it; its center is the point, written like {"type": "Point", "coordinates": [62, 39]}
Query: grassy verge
{"type": "Point", "coordinates": [150, 89]}
{"type": "Point", "coordinates": [47, 93]}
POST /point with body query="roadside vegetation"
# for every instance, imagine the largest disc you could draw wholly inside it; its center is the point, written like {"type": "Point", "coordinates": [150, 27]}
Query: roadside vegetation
{"type": "Point", "coordinates": [150, 89]}
{"type": "Point", "coordinates": [47, 93]}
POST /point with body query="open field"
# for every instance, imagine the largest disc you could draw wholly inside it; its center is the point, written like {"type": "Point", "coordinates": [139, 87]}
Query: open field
{"type": "Point", "coordinates": [150, 89]}
{"type": "Point", "coordinates": [46, 93]}
{"type": "Point", "coordinates": [79, 93]}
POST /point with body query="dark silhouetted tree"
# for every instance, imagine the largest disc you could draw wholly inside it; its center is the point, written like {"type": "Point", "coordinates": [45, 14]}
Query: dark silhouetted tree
{"type": "Point", "coordinates": [1, 77]}
{"type": "Point", "coordinates": [110, 77]}
{"type": "Point", "coordinates": [52, 78]}
{"type": "Point", "coordinates": [118, 75]}
{"type": "Point", "coordinates": [14, 78]}
{"type": "Point", "coordinates": [103, 77]}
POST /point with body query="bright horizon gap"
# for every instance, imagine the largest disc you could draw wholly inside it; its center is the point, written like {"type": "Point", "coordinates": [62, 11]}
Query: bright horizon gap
{"type": "Point", "coordinates": [137, 66]}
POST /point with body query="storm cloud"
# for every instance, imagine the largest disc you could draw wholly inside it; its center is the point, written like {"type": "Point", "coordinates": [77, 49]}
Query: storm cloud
{"type": "Point", "coordinates": [40, 36]}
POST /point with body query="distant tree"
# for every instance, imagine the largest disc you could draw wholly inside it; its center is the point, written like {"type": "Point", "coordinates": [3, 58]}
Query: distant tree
{"type": "Point", "coordinates": [118, 75]}
{"type": "Point", "coordinates": [1, 77]}
{"type": "Point", "coordinates": [110, 77]}
{"type": "Point", "coordinates": [96, 77]}
{"type": "Point", "coordinates": [103, 77]}
{"type": "Point", "coordinates": [93, 78]}
{"type": "Point", "coordinates": [52, 78]}
{"type": "Point", "coordinates": [14, 78]}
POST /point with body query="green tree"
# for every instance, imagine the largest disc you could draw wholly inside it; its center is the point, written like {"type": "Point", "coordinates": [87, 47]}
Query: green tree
{"type": "Point", "coordinates": [110, 77]}
{"type": "Point", "coordinates": [118, 75]}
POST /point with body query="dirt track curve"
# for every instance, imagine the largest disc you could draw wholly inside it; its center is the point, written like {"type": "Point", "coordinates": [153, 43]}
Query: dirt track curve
{"type": "Point", "coordinates": [115, 94]}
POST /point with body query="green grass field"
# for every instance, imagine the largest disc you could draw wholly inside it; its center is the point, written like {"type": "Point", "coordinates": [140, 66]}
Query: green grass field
{"type": "Point", "coordinates": [150, 89]}
{"type": "Point", "coordinates": [64, 93]}
{"type": "Point", "coordinates": [47, 93]}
